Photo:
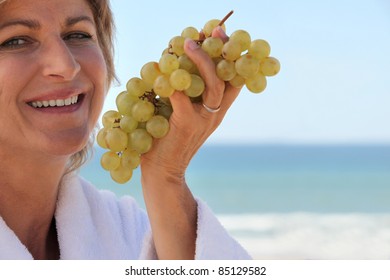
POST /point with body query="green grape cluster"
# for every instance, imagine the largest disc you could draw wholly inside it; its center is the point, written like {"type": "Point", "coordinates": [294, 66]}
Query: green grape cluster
{"type": "Point", "coordinates": [143, 109]}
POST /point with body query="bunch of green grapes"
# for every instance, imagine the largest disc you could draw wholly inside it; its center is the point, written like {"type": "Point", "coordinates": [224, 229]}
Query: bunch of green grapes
{"type": "Point", "coordinates": [143, 110]}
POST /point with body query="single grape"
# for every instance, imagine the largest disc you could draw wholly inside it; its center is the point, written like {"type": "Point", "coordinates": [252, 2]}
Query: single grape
{"type": "Point", "coordinates": [231, 50]}
{"type": "Point", "coordinates": [110, 161]}
{"type": "Point", "coordinates": [157, 126]}
{"type": "Point", "coordinates": [213, 46]}
{"type": "Point", "coordinates": [257, 83]}
{"type": "Point", "coordinates": [168, 63]}
{"type": "Point", "coordinates": [180, 79]}
{"type": "Point", "coordinates": [128, 124]}
{"type": "Point", "coordinates": [130, 159]}
{"type": "Point", "coordinates": [142, 110]}
{"type": "Point", "coordinates": [136, 86]}
{"type": "Point", "coordinates": [162, 86]}
{"type": "Point", "coordinates": [191, 33]}
{"type": "Point", "coordinates": [259, 49]}
{"type": "Point", "coordinates": [111, 118]}
{"type": "Point", "coordinates": [122, 174]}
{"type": "Point", "coordinates": [176, 45]}
{"type": "Point", "coordinates": [120, 96]}
{"type": "Point", "coordinates": [116, 139]}
{"type": "Point", "coordinates": [242, 37]}
{"type": "Point", "coordinates": [210, 26]}
{"type": "Point", "coordinates": [247, 66]}
{"type": "Point", "coordinates": [269, 66]}
{"type": "Point", "coordinates": [197, 86]}
{"type": "Point", "coordinates": [186, 63]}
{"type": "Point", "coordinates": [140, 140]}
{"type": "Point", "coordinates": [226, 70]}
{"type": "Point", "coordinates": [149, 72]}
{"type": "Point", "coordinates": [101, 138]}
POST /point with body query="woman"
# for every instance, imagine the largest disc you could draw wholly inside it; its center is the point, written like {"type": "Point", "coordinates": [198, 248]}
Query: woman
{"type": "Point", "coordinates": [58, 54]}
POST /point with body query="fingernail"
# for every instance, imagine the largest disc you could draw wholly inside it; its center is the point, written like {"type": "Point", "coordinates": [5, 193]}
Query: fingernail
{"type": "Point", "coordinates": [191, 44]}
{"type": "Point", "coordinates": [219, 29]}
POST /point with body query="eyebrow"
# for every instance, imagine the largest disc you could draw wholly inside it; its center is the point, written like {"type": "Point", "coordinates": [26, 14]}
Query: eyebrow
{"type": "Point", "coordinates": [35, 25]}
{"type": "Point", "coordinates": [74, 20]}
{"type": "Point", "coordinates": [32, 24]}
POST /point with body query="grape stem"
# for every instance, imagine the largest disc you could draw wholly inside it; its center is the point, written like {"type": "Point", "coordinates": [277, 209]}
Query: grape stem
{"type": "Point", "coordinates": [226, 18]}
{"type": "Point", "coordinates": [151, 97]}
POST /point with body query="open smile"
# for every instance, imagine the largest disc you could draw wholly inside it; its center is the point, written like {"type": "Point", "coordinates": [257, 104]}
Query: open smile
{"type": "Point", "coordinates": [57, 102]}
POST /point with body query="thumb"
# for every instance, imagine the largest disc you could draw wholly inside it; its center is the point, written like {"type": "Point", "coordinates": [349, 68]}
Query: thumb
{"type": "Point", "coordinates": [220, 33]}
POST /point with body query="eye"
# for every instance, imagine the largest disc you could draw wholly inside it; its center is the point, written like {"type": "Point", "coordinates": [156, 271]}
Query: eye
{"type": "Point", "coordinates": [77, 36]}
{"type": "Point", "coordinates": [15, 43]}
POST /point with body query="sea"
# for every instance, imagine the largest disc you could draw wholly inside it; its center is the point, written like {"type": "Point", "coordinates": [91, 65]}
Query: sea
{"type": "Point", "coordinates": [288, 201]}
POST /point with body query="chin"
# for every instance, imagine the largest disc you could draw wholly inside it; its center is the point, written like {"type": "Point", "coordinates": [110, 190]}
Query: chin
{"type": "Point", "coordinates": [67, 146]}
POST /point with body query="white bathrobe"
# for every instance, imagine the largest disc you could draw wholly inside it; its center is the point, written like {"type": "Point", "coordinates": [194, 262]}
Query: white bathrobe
{"type": "Point", "coordinates": [94, 224]}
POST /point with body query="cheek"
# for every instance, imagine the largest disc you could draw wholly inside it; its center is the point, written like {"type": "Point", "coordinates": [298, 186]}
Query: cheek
{"type": "Point", "coordinates": [96, 70]}
{"type": "Point", "coordinates": [15, 74]}
{"type": "Point", "coordinates": [95, 66]}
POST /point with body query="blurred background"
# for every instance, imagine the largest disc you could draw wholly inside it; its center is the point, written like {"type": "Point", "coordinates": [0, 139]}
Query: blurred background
{"type": "Point", "coordinates": [301, 171]}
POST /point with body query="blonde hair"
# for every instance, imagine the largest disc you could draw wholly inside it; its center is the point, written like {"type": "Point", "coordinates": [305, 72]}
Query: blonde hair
{"type": "Point", "coordinates": [105, 32]}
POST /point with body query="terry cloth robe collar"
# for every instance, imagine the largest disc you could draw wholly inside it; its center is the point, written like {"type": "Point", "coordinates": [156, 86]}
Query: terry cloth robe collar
{"type": "Point", "coordinates": [95, 224]}
{"type": "Point", "coordinates": [10, 246]}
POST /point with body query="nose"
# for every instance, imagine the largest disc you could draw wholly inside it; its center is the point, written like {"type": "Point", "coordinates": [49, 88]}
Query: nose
{"type": "Point", "coordinates": [58, 61]}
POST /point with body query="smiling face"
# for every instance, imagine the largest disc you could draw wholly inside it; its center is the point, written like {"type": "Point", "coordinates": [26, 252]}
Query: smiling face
{"type": "Point", "coordinates": [53, 76]}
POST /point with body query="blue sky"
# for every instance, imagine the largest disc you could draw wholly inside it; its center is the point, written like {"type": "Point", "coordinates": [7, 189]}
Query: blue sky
{"type": "Point", "coordinates": [334, 85]}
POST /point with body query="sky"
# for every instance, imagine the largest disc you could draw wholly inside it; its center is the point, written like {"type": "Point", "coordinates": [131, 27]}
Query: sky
{"type": "Point", "coordinates": [334, 83]}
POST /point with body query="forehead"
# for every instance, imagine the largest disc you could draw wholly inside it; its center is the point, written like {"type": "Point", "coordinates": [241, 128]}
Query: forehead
{"type": "Point", "coordinates": [48, 10]}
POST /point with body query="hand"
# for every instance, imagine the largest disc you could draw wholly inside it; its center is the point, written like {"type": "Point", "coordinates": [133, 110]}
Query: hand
{"type": "Point", "coordinates": [190, 124]}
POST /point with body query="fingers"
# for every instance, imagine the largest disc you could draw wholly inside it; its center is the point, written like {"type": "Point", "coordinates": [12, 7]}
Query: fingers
{"type": "Point", "coordinates": [215, 87]}
{"type": "Point", "coordinates": [218, 94]}
{"type": "Point", "coordinates": [219, 32]}
{"type": "Point", "coordinates": [181, 104]}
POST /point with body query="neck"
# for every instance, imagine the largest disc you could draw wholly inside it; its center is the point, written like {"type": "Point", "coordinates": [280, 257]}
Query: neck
{"type": "Point", "coordinates": [28, 195]}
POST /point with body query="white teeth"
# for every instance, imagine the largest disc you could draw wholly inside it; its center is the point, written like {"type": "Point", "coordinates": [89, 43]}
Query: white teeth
{"type": "Point", "coordinates": [68, 101]}
{"type": "Point", "coordinates": [55, 103]}
{"type": "Point", "coordinates": [60, 102]}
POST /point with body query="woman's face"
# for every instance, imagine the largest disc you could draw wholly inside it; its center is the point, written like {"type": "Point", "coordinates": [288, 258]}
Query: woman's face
{"type": "Point", "coordinates": [53, 76]}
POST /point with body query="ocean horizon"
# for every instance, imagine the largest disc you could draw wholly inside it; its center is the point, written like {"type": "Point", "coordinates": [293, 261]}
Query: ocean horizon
{"type": "Point", "coordinates": [276, 200]}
